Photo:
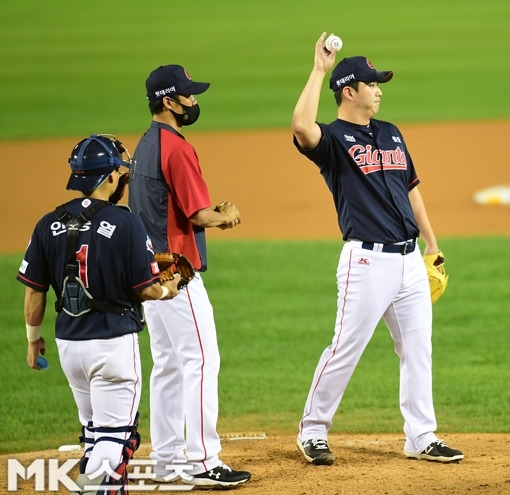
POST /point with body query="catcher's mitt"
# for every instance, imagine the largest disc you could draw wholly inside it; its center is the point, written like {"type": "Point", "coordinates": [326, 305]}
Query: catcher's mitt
{"type": "Point", "coordinates": [438, 279]}
{"type": "Point", "coordinates": [171, 263]}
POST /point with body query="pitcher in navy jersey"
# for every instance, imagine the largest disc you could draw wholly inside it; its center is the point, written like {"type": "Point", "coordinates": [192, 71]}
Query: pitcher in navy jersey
{"type": "Point", "coordinates": [381, 274]}
{"type": "Point", "coordinates": [99, 261]}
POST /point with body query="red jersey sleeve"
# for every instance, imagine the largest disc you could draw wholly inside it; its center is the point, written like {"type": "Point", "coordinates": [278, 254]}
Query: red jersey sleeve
{"type": "Point", "coordinates": [184, 177]}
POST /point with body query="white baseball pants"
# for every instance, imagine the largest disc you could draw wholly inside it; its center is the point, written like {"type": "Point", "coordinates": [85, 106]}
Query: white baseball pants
{"type": "Point", "coordinates": [105, 377]}
{"type": "Point", "coordinates": [374, 285]}
{"type": "Point", "coordinates": [184, 381]}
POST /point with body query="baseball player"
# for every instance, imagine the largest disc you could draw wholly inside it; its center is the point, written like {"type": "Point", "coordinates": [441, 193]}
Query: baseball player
{"type": "Point", "coordinates": [381, 274]}
{"type": "Point", "coordinates": [172, 198]}
{"type": "Point", "coordinates": [97, 258]}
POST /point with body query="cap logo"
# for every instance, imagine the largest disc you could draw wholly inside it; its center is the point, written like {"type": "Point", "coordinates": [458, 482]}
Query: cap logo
{"type": "Point", "coordinates": [166, 91]}
{"type": "Point", "coordinates": [343, 80]}
{"type": "Point", "coordinates": [370, 64]}
{"type": "Point", "coordinates": [187, 75]}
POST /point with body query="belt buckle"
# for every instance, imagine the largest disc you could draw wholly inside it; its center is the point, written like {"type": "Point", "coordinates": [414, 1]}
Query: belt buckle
{"type": "Point", "coordinates": [406, 248]}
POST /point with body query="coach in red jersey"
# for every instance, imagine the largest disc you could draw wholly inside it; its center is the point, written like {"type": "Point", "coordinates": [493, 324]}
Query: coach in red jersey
{"type": "Point", "coordinates": [169, 193]}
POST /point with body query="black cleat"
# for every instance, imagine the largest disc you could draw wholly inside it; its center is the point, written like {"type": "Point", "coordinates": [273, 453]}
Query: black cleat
{"type": "Point", "coordinates": [220, 476]}
{"type": "Point", "coordinates": [437, 451]}
{"type": "Point", "coordinates": [317, 452]}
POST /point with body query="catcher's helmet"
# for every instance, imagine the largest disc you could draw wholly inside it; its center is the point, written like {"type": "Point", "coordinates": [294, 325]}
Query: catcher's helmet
{"type": "Point", "coordinates": [93, 159]}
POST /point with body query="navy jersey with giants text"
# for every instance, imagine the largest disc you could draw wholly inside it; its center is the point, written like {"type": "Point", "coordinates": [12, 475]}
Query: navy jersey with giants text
{"type": "Point", "coordinates": [115, 260]}
{"type": "Point", "coordinates": [369, 172]}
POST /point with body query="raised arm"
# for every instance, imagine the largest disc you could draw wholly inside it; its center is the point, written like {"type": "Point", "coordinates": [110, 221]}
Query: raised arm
{"type": "Point", "coordinates": [304, 126]}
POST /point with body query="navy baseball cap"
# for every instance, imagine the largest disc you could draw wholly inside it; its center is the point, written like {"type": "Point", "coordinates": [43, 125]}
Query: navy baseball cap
{"type": "Point", "coordinates": [93, 159]}
{"type": "Point", "coordinates": [168, 80]}
{"type": "Point", "coordinates": [353, 69]}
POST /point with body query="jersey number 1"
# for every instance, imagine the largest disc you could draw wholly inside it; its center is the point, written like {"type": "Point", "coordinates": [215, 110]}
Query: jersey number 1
{"type": "Point", "coordinates": [81, 259]}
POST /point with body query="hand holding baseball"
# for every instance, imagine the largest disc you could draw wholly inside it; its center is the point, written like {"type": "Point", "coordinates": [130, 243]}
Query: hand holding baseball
{"type": "Point", "coordinates": [34, 349]}
{"type": "Point", "coordinates": [324, 59]}
{"type": "Point", "coordinates": [333, 43]}
{"type": "Point", "coordinates": [172, 286]}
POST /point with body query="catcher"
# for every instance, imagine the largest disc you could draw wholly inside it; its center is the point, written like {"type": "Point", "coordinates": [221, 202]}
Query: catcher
{"type": "Point", "coordinates": [99, 287]}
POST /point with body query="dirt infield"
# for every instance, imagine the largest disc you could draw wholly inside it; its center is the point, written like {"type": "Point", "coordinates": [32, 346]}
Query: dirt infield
{"type": "Point", "coordinates": [365, 464]}
{"type": "Point", "coordinates": [282, 196]}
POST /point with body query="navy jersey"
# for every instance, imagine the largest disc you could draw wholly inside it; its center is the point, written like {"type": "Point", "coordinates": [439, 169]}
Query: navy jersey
{"type": "Point", "coordinates": [369, 172]}
{"type": "Point", "coordinates": [115, 260]}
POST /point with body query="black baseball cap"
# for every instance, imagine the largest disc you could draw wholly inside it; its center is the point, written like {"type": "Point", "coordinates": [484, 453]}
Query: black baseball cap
{"type": "Point", "coordinates": [353, 69]}
{"type": "Point", "coordinates": [168, 80]}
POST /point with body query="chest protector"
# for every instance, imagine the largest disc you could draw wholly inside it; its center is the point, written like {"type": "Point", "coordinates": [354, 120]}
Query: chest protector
{"type": "Point", "coordinates": [75, 299]}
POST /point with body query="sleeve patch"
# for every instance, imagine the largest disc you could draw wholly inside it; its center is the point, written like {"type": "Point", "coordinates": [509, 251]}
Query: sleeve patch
{"type": "Point", "coordinates": [154, 268]}
{"type": "Point", "coordinates": [23, 267]}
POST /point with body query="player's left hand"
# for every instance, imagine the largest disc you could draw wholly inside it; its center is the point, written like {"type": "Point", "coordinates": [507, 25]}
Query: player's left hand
{"type": "Point", "coordinates": [172, 263]}
{"type": "Point", "coordinates": [438, 279]}
{"type": "Point", "coordinates": [34, 349]}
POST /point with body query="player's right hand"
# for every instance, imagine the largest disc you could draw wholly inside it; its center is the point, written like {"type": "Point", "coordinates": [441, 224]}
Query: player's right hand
{"type": "Point", "coordinates": [33, 351]}
{"type": "Point", "coordinates": [324, 59]}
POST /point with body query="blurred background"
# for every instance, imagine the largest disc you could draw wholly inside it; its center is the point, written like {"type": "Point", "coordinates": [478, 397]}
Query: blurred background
{"type": "Point", "coordinates": [69, 68]}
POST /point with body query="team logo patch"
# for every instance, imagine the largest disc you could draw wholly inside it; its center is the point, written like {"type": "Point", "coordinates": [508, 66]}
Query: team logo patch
{"type": "Point", "coordinates": [148, 244]}
{"type": "Point", "coordinates": [23, 267]}
{"type": "Point", "coordinates": [106, 229]}
{"type": "Point", "coordinates": [364, 261]}
{"type": "Point", "coordinates": [349, 138]}
{"type": "Point", "coordinates": [154, 268]}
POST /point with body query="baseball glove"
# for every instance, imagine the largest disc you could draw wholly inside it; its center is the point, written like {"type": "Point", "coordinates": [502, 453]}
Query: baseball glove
{"type": "Point", "coordinates": [438, 279]}
{"type": "Point", "coordinates": [171, 263]}
{"type": "Point", "coordinates": [223, 206]}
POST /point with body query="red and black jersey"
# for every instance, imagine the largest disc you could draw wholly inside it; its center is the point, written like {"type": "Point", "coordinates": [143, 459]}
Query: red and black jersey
{"type": "Point", "coordinates": [167, 188]}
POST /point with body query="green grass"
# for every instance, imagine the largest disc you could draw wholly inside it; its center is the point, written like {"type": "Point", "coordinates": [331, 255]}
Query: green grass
{"type": "Point", "coordinates": [73, 68]}
{"type": "Point", "coordinates": [275, 304]}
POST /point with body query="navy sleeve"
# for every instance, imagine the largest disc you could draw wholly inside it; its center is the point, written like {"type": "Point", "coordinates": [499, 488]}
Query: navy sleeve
{"type": "Point", "coordinates": [143, 266]}
{"type": "Point", "coordinates": [34, 271]}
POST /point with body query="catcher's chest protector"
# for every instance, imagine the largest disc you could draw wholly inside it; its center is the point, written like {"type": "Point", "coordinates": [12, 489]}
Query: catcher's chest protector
{"type": "Point", "coordinates": [75, 297]}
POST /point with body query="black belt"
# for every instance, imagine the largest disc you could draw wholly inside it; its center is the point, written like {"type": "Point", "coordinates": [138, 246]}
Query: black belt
{"type": "Point", "coordinates": [403, 249]}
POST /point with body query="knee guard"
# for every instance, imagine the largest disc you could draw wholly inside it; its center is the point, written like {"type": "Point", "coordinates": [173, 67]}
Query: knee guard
{"type": "Point", "coordinates": [87, 437]}
{"type": "Point", "coordinates": [119, 477]}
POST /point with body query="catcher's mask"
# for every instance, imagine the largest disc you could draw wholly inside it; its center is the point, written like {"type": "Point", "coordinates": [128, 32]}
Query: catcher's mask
{"type": "Point", "coordinates": [93, 159]}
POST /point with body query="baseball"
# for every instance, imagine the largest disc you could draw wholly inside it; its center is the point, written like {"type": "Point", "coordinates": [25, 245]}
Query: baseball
{"type": "Point", "coordinates": [333, 43]}
{"type": "Point", "coordinates": [42, 363]}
